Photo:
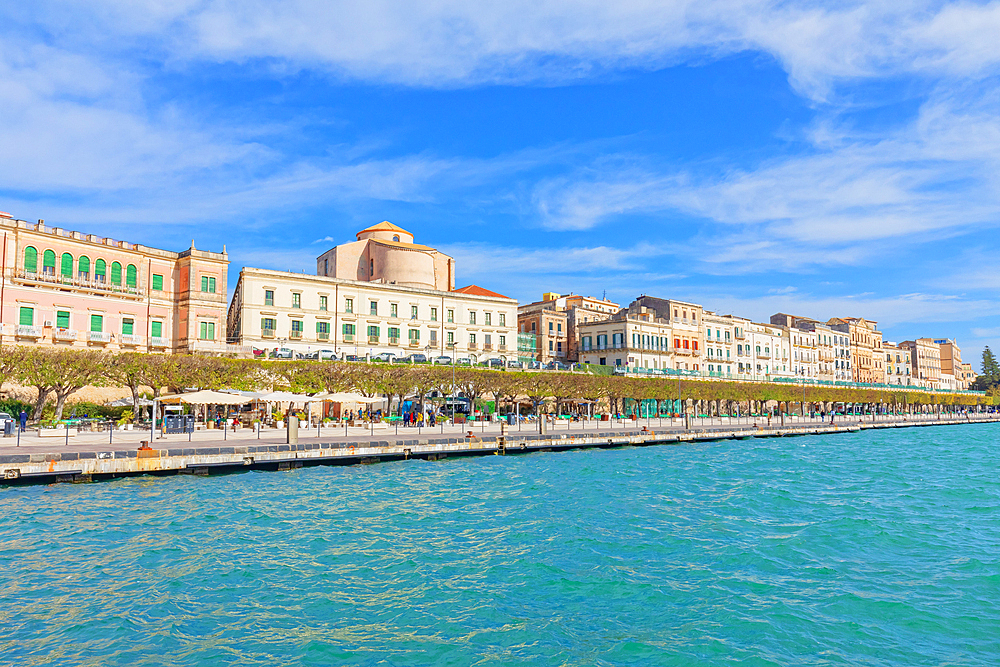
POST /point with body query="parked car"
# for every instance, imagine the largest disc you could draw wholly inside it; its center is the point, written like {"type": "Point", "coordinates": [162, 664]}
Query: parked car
{"type": "Point", "coordinates": [535, 365]}
{"type": "Point", "coordinates": [282, 353]}
{"type": "Point", "coordinates": [326, 355]}
{"type": "Point", "coordinates": [556, 366]}
{"type": "Point", "coordinates": [4, 418]}
{"type": "Point", "coordinates": [515, 364]}
{"type": "Point", "coordinates": [442, 361]}
{"type": "Point", "coordinates": [386, 356]}
{"type": "Point", "coordinates": [417, 358]}
{"type": "Point", "coordinates": [353, 357]}
{"type": "Point", "coordinates": [463, 361]}
{"type": "Point", "coordinates": [494, 363]}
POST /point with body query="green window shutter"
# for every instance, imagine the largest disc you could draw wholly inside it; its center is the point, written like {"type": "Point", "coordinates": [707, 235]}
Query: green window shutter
{"type": "Point", "coordinates": [83, 264]}
{"type": "Point", "coordinates": [27, 316]}
{"type": "Point", "coordinates": [116, 273]}
{"type": "Point", "coordinates": [62, 319]}
{"type": "Point", "coordinates": [66, 266]}
{"type": "Point", "coordinates": [157, 282]}
{"type": "Point", "coordinates": [100, 268]}
{"type": "Point", "coordinates": [157, 329]}
{"type": "Point", "coordinates": [211, 285]}
{"type": "Point", "coordinates": [97, 323]}
{"type": "Point", "coordinates": [203, 333]}
{"type": "Point", "coordinates": [49, 260]}
{"type": "Point", "coordinates": [30, 260]}
{"type": "Point", "coordinates": [204, 283]}
{"type": "Point", "coordinates": [211, 331]}
{"type": "Point", "coordinates": [131, 276]}
{"type": "Point", "coordinates": [128, 325]}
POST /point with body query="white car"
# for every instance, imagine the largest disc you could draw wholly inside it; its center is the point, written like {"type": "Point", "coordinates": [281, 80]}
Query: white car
{"type": "Point", "coordinates": [4, 418]}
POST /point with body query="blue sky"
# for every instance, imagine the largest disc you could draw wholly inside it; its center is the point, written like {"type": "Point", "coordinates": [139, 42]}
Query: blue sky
{"type": "Point", "coordinates": [826, 159]}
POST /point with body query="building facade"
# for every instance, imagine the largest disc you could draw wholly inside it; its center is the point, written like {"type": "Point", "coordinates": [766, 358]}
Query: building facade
{"type": "Point", "coordinates": [867, 360]}
{"type": "Point", "coordinates": [409, 306]}
{"type": "Point", "coordinates": [720, 344]}
{"type": "Point", "coordinates": [925, 362]}
{"type": "Point", "coordinates": [68, 289]}
{"type": "Point", "coordinates": [545, 317]}
{"type": "Point", "coordinates": [898, 369]}
{"type": "Point", "coordinates": [951, 362]}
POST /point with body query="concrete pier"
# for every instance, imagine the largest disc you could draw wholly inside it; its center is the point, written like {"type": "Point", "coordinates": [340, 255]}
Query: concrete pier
{"type": "Point", "coordinates": [89, 461]}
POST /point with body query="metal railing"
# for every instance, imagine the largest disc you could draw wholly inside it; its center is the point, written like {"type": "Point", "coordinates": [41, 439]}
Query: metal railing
{"type": "Point", "coordinates": [99, 336]}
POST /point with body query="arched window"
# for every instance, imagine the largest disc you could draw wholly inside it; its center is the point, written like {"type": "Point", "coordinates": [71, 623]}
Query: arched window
{"type": "Point", "coordinates": [116, 273]}
{"type": "Point", "coordinates": [83, 267]}
{"type": "Point", "coordinates": [66, 265]}
{"type": "Point", "coordinates": [100, 270]}
{"type": "Point", "coordinates": [31, 260]}
{"type": "Point", "coordinates": [131, 276]}
{"type": "Point", "coordinates": [396, 238]}
{"type": "Point", "coordinates": [49, 262]}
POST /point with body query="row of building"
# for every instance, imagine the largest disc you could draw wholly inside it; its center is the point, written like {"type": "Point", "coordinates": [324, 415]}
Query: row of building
{"type": "Point", "coordinates": [384, 293]}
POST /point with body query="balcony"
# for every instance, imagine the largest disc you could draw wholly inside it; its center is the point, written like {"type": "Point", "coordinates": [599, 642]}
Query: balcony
{"type": "Point", "coordinates": [488, 347]}
{"type": "Point", "coordinates": [323, 335]}
{"type": "Point", "coordinates": [65, 334]}
{"type": "Point", "coordinates": [267, 333]}
{"type": "Point", "coordinates": [99, 336]}
{"type": "Point", "coordinates": [348, 338]}
{"type": "Point", "coordinates": [373, 340]}
{"type": "Point", "coordinates": [502, 348]}
{"type": "Point", "coordinates": [763, 355]}
{"type": "Point", "coordinates": [414, 342]}
{"type": "Point", "coordinates": [682, 351]}
{"type": "Point", "coordinates": [393, 340]}
{"type": "Point", "coordinates": [130, 339]}
{"type": "Point", "coordinates": [27, 331]}
{"type": "Point", "coordinates": [450, 345]}
{"type": "Point", "coordinates": [472, 346]}
{"type": "Point", "coordinates": [84, 283]}
{"type": "Point", "coordinates": [159, 341]}
{"type": "Point", "coordinates": [295, 335]}
{"type": "Point", "coordinates": [740, 335]}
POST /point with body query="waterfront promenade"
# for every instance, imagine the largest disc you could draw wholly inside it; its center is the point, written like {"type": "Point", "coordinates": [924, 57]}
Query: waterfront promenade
{"type": "Point", "coordinates": [90, 456]}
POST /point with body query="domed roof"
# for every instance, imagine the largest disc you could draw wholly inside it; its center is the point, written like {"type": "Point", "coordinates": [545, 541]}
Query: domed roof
{"type": "Point", "coordinates": [384, 226]}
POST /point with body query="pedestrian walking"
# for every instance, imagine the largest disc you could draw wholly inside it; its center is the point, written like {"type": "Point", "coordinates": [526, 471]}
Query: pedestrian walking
{"type": "Point", "coordinates": [24, 420]}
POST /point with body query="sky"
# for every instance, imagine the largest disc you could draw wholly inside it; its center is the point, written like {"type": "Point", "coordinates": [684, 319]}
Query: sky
{"type": "Point", "coordinates": [827, 159]}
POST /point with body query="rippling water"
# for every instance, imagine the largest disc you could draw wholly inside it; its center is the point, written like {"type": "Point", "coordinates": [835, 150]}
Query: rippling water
{"type": "Point", "coordinates": [879, 548]}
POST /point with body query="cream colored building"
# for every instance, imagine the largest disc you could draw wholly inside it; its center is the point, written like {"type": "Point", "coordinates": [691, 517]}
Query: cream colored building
{"type": "Point", "coordinates": [867, 360]}
{"type": "Point", "coordinates": [382, 293]}
{"type": "Point", "coordinates": [925, 362]}
{"type": "Point", "coordinates": [898, 369]}
{"type": "Point", "coordinates": [72, 290]}
{"type": "Point", "coordinates": [951, 361]}
{"type": "Point", "coordinates": [720, 344]}
{"type": "Point", "coordinates": [555, 319]}
{"type": "Point", "coordinates": [770, 350]}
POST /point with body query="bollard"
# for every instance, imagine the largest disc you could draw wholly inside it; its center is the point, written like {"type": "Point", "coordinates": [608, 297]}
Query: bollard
{"type": "Point", "coordinates": [111, 433]}
{"type": "Point", "coordinates": [66, 426]}
{"type": "Point", "coordinates": [292, 430]}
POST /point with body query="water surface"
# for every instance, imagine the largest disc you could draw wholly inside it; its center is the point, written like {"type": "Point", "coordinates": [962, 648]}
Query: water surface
{"type": "Point", "coordinates": [876, 548]}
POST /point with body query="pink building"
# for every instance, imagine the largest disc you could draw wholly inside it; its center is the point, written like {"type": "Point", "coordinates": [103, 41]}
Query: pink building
{"type": "Point", "coordinates": [69, 289]}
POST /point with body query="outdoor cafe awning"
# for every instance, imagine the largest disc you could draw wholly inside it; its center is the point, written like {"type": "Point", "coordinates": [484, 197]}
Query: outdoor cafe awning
{"type": "Point", "coordinates": [204, 397]}
{"type": "Point", "coordinates": [345, 397]}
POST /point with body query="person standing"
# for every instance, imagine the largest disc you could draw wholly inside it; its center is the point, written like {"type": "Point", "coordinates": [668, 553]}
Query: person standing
{"type": "Point", "coordinates": [24, 420]}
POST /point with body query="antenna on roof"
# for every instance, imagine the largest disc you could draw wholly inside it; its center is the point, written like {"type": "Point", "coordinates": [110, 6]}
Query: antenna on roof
{"type": "Point", "coordinates": [605, 298]}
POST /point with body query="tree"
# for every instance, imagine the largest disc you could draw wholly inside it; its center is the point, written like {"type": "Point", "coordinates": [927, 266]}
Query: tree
{"type": "Point", "coordinates": [991, 371]}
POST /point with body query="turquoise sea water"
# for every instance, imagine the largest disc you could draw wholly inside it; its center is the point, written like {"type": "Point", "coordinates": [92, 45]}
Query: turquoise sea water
{"type": "Point", "coordinates": [878, 548]}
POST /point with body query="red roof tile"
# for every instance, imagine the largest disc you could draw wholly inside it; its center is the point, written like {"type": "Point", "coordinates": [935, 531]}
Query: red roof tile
{"type": "Point", "coordinates": [476, 290]}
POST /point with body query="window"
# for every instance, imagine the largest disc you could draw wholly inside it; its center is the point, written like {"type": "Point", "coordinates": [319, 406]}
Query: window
{"type": "Point", "coordinates": [31, 260]}
{"type": "Point", "coordinates": [49, 263]}
{"type": "Point", "coordinates": [269, 297]}
{"type": "Point", "coordinates": [395, 237]}
{"type": "Point", "coordinates": [694, 344]}
{"type": "Point", "coordinates": [413, 312]}
{"type": "Point", "coordinates": [393, 310]}
{"type": "Point", "coordinates": [472, 317]}
{"type": "Point", "coordinates": [100, 271]}
{"type": "Point", "coordinates": [97, 323]}
{"type": "Point", "coordinates": [348, 305]}
{"type": "Point", "coordinates": [157, 282]}
{"type": "Point", "coordinates": [559, 327]}
{"type": "Point", "coordinates": [373, 308]}
{"type": "Point", "coordinates": [349, 329]}
{"type": "Point", "coordinates": [326, 267]}
{"type": "Point", "coordinates": [208, 284]}
{"type": "Point", "coordinates": [132, 277]}
{"type": "Point", "coordinates": [371, 268]}
{"type": "Point", "coordinates": [550, 327]}
{"type": "Point", "coordinates": [451, 338]}
{"type": "Point", "coordinates": [116, 273]}
{"type": "Point", "coordinates": [414, 334]}
{"type": "Point", "coordinates": [373, 331]}
{"type": "Point", "coordinates": [296, 300]}
{"type": "Point", "coordinates": [451, 315]}
{"type": "Point", "coordinates": [66, 265]}
{"type": "Point", "coordinates": [618, 339]}
{"type": "Point", "coordinates": [487, 318]}
{"type": "Point", "coordinates": [322, 303]}
{"type": "Point", "coordinates": [602, 341]}
{"type": "Point", "coordinates": [434, 314]}
{"type": "Point", "coordinates": [559, 347]}
{"type": "Point", "coordinates": [62, 319]}
{"type": "Point", "coordinates": [687, 344]}
{"type": "Point", "coordinates": [503, 320]}
{"type": "Point", "coordinates": [128, 326]}
{"type": "Point", "coordinates": [156, 329]}
{"type": "Point", "coordinates": [503, 341]}
{"type": "Point", "coordinates": [394, 333]}
{"type": "Point", "coordinates": [207, 331]}
{"type": "Point", "coordinates": [27, 316]}
{"type": "Point", "coordinates": [268, 325]}
{"type": "Point", "coordinates": [532, 326]}
{"type": "Point", "coordinates": [434, 336]}
{"type": "Point", "coordinates": [472, 340]}
{"type": "Point", "coordinates": [297, 327]}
